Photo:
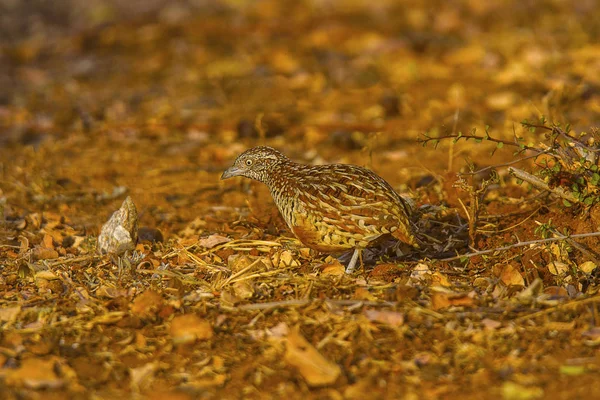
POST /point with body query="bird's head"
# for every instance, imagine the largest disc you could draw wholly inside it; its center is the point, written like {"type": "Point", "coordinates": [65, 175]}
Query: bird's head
{"type": "Point", "coordinates": [255, 163]}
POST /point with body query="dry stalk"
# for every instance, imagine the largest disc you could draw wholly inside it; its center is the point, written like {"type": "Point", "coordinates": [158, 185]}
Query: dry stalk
{"type": "Point", "coordinates": [521, 244]}
{"type": "Point", "coordinates": [540, 184]}
{"type": "Point", "coordinates": [476, 195]}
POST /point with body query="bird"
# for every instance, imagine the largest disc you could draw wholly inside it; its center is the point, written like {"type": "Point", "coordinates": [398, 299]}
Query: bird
{"type": "Point", "coordinates": [330, 208]}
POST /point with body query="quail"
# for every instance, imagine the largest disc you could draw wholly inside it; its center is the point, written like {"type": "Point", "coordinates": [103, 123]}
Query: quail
{"type": "Point", "coordinates": [330, 208]}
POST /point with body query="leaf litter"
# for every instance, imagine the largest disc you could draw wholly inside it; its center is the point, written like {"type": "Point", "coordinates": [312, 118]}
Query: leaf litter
{"type": "Point", "coordinates": [217, 299]}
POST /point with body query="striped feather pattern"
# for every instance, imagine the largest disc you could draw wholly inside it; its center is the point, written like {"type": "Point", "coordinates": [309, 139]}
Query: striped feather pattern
{"type": "Point", "coordinates": [330, 208]}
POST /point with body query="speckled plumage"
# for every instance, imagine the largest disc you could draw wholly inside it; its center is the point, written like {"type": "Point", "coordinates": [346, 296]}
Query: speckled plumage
{"type": "Point", "coordinates": [330, 208]}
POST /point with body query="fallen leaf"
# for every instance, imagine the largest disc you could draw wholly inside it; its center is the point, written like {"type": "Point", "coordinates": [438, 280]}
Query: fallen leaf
{"type": "Point", "coordinates": [333, 268]}
{"type": "Point", "coordinates": [445, 299]}
{"type": "Point", "coordinates": [314, 368]}
{"type": "Point", "coordinates": [110, 292]}
{"type": "Point", "coordinates": [439, 279]}
{"type": "Point", "coordinates": [490, 324]}
{"type": "Point", "coordinates": [284, 259]}
{"type": "Point", "coordinates": [212, 241]}
{"type": "Point", "coordinates": [35, 373]}
{"type": "Point", "coordinates": [556, 291]}
{"type": "Point", "coordinates": [188, 328]}
{"type": "Point", "coordinates": [142, 376]}
{"type": "Point", "coordinates": [229, 298]}
{"type": "Point", "coordinates": [43, 253]}
{"type": "Point", "coordinates": [46, 274]}
{"type": "Point", "coordinates": [587, 267]}
{"type": "Point", "coordinates": [510, 276]}
{"type": "Point", "coordinates": [391, 318]}
{"type": "Point", "coordinates": [362, 293]}
{"type": "Point", "coordinates": [9, 314]}
{"type": "Point", "coordinates": [420, 273]}
{"type": "Point", "coordinates": [147, 304]}
{"type": "Point", "coordinates": [280, 330]}
{"type": "Point", "coordinates": [557, 267]}
{"type": "Point", "coordinates": [47, 242]}
{"type": "Point", "coordinates": [243, 289]}
{"type": "Point", "coordinates": [108, 318]}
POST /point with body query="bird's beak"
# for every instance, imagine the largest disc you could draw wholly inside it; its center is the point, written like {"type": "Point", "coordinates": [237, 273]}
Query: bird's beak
{"type": "Point", "coordinates": [230, 172]}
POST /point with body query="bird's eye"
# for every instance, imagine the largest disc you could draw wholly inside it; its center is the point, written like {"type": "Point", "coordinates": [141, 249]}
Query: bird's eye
{"type": "Point", "coordinates": [248, 162]}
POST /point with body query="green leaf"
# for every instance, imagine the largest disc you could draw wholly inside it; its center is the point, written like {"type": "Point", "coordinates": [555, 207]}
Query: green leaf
{"type": "Point", "coordinates": [567, 203]}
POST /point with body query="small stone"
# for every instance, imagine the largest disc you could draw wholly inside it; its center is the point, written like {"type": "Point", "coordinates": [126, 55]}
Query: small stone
{"type": "Point", "coordinates": [120, 233]}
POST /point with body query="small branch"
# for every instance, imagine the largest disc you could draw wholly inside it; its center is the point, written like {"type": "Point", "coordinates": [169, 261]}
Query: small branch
{"type": "Point", "coordinates": [506, 164]}
{"type": "Point", "coordinates": [540, 184]}
{"type": "Point", "coordinates": [521, 146]}
{"type": "Point", "coordinates": [521, 244]}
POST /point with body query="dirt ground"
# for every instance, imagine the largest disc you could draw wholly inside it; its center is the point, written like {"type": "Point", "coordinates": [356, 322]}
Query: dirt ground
{"type": "Point", "coordinates": [102, 100]}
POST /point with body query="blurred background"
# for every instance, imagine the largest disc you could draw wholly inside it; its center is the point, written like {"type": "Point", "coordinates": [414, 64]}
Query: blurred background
{"type": "Point", "coordinates": [158, 97]}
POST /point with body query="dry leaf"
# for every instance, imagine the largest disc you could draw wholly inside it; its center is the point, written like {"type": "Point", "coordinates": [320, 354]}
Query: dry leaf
{"type": "Point", "coordinates": [9, 314]}
{"type": "Point", "coordinates": [46, 274]}
{"type": "Point", "coordinates": [34, 373]}
{"type": "Point", "coordinates": [391, 318]}
{"type": "Point", "coordinates": [43, 253]}
{"type": "Point", "coordinates": [280, 330]}
{"type": "Point", "coordinates": [141, 377]}
{"type": "Point", "coordinates": [490, 324]}
{"type": "Point", "coordinates": [243, 289]}
{"type": "Point", "coordinates": [107, 318]}
{"type": "Point", "coordinates": [147, 304]}
{"type": "Point", "coordinates": [587, 267]}
{"type": "Point", "coordinates": [558, 268]}
{"type": "Point", "coordinates": [212, 241]}
{"type": "Point", "coordinates": [314, 368]}
{"type": "Point", "coordinates": [188, 328]}
{"type": "Point", "coordinates": [362, 293]}
{"type": "Point", "coordinates": [229, 298]}
{"type": "Point", "coordinates": [510, 276]}
{"type": "Point", "coordinates": [239, 262]}
{"type": "Point", "coordinates": [420, 273]}
{"type": "Point", "coordinates": [284, 259]}
{"type": "Point", "coordinates": [445, 299]}
{"type": "Point", "coordinates": [333, 268]}
{"type": "Point", "coordinates": [110, 292]}
{"type": "Point", "coordinates": [439, 279]}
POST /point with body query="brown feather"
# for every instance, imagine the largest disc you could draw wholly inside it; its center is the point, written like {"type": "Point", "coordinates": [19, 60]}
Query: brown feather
{"type": "Point", "coordinates": [329, 208]}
